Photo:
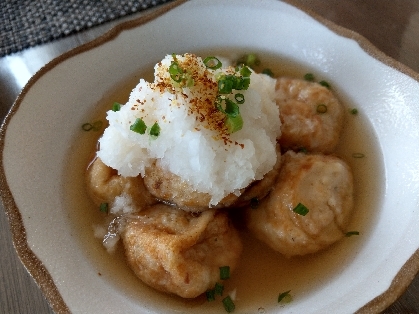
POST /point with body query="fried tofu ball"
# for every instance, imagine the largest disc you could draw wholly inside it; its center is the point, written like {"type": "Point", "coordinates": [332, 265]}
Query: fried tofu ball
{"type": "Point", "coordinates": [170, 188]}
{"type": "Point", "coordinates": [105, 186]}
{"type": "Point", "coordinates": [257, 190]}
{"type": "Point", "coordinates": [178, 252]}
{"type": "Point", "coordinates": [311, 116]}
{"type": "Point", "coordinates": [324, 185]}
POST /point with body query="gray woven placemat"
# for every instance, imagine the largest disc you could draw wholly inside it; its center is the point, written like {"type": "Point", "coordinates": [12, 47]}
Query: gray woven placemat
{"type": "Point", "coordinates": [27, 23]}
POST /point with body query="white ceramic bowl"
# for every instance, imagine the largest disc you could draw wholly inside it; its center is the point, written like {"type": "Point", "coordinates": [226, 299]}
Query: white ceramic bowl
{"type": "Point", "coordinates": [41, 135]}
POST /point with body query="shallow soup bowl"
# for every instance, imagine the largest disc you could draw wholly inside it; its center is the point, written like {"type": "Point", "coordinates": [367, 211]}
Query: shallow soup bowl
{"type": "Point", "coordinates": [45, 153]}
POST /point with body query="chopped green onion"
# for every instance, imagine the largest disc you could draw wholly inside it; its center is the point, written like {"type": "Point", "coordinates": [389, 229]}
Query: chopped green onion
{"type": "Point", "coordinates": [95, 126]}
{"type": "Point", "coordinates": [242, 83]}
{"type": "Point", "coordinates": [218, 289]}
{"type": "Point", "coordinates": [302, 150]}
{"type": "Point", "coordinates": [210, 294]}
{"type": "Point", "coordinates": [87, 127]}
{"type": "Point", "coordinates": [139, 126]}
{"type": "Point", "coordinates": [239, 98]}
{"type": "Point", "coordinates": [358, 155]}
{"type": "Point", "coordinates": [285, 297]}
{"type": "Point", "coordinates": [351, 233]}
{"type": "Point", "coordinates": [224, 272]}
{"type": "Point", "coordinates": [268, 72]}
{"type": "Point", "coordinates": [250, 60]}
{"type": "Point", "coordinates": [300, 209]}
{"type": "Point", "coordinates": [225, 85]}
{"type": "Point", "coordinates": [116, 106]}
{"type": "Point", "coordinates": [104, 207]}
{"type": "Point", "coordinates": [228, 304]}
{"type": "Point", "coordinates": [232, 110]}
{"type": "Point", "coordinates": [325, 84]}
{"type": "Point", "coordinates": [245, 71]}
{"type": "Point", "coordinates": [354, 111]}
{"type": "Point", "coordinates": [254, 203]}
{"type": "Point", "coordinates": [309, 77]}
{"type": "Point", "coordinates": [212, 63]}
{"type": "Point", "coordinates": [155, 130]}
{"type": "Point", "coordinates": [234, 124]}
{"type": "Point", "coordinates": [322, 108]}
{"type": "Point", "coordinates": [175, 72]}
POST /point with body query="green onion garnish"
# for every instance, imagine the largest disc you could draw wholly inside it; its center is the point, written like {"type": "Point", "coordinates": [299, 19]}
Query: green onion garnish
{"type": "Point", "coordinates": [116, 106]}
{"type": "Point", "coordinates": [232, 110]}
{"type": "Point", "coordinates": [268, 72]}
{"type": "Point", "coordinates": [155, 130]}
{"type": "Point", "coordinates": [87, 127]}
{"type": "Point", "coordinates": [212, 63]}
{"type": "Point", "coordinates": [95, 126]}
{"type": "Point", "coordinates": [210, 294]}
{"type": "Point", "coordinates": [218, 289]}
{"type": "Point", "coordinates": [250, 60]}
{"type": "Point", "coordinates": [285, 297]}
{"type": "Point", "coordinates": [175, 72]}
{"type": "Point", "coordinates": [300, 209]}
{"type": "Point", "coordinates": [322, 108]}
{"type": "Point", "coordinates": [309, 77]}
{"type": "Point", "coordinates": [254, 203]}
{"type": "Point", "coordinates": [104, 207]}
{"type": "Point", "coordinates": [325, 84]}
{"type": "Point", "coordinates": [351, 233]}
{"type": "Point", "coordinates": [239, 98]}
{"type": "Point", "coordinates": [302, 150]}
{"type": "Point", "coordinates": [228, 304]}
{"type": "Point", "coordinates": [139, 126]}
{"type": "Point", "coordinates": [234, 124]}
{"type": "Point", "coordinates": [224, 272]}
{"type": "Point", "coordinates": [225, 85]}
{"type": "Point", "coordinates": [354, 111]}
{"type": "Point", "coordinates": [358, 155]}
{"type": "Point", "coordinates": [245, 71]}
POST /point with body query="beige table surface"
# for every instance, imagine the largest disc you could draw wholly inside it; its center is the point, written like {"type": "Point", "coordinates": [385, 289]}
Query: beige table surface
{"type": "Point", "coordinates": [391, 25]}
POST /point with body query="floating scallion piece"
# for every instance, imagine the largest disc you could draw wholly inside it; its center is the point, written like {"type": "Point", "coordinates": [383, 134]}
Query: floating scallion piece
{"type": "Point", "coordinates": [104, 207]}
{"type": "Point", "coordinates": [302, 150]}
{"type": "Point", "coordinates": [250, 60]}
{"type": "Point", "coordinates": [139, 126]}
{"type": "Point", "coordinates": [155, 130]}
{"type": "Point", "coordinates": [218, 289]}
{"type": "Point", "coordinates": [321, 108]}
{"type": "Point", "coordinates": [228, 304]}
{"type": "Point", "coordinates": [354, 111]}
{"type": "Point", "coordinates": [268, 72]}
{"type": "Point", "coordinates": [309, 77]}
{"type": "Point", "coordinates": [212, 63]}
{"type": "Point", "coordinates": [224, 272]}
{"type": "Point", "coordinates": [116, 106]}
{"type": "Point", "coordinates": [285, 297]}
{"type": "Point", "coordinates": [351, 233]}
{"type": "Point", "coordinates": [239, 98]}
{"type": "Point", "coordinates": [210, 294]}
{"type": "Point", "coordinates": [325, 84]}
{"type": "Point", "coordinates": [300, 209]}
{"type": "Point", "coordinates": [95, 126]}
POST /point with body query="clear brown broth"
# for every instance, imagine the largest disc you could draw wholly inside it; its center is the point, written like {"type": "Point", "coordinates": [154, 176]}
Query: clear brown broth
{"type": "Point", "coordinates": [262, 273]}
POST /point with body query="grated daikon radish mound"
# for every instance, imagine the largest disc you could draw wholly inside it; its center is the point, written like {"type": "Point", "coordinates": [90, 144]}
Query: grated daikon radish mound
{"type": "Point", "coordinates": [194, 140]}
